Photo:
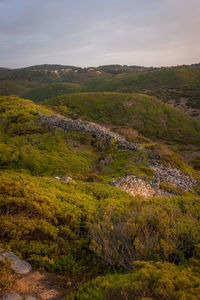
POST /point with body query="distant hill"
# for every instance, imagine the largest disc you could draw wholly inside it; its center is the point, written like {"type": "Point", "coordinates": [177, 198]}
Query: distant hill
{"type": "Point", "coordinates": [3, 70]}
{"type": "Point", "coordinates": [178, 86]}
{"type": "Point", "coordinates": [51, 90]}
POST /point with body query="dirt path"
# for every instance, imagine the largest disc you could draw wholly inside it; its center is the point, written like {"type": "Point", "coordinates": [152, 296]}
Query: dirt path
{"type": "Point", "coordinates": [43, 286]}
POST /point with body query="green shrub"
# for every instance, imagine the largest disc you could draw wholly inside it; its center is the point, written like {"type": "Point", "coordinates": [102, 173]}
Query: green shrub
{"type": "Point", "coordinates": [147, 280]}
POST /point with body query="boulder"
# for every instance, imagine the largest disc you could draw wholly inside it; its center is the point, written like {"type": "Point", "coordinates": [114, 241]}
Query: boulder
{"type": "Point", "coordinates": [17, 264]}
{"type": "Point", "coordinates": [12, 296]}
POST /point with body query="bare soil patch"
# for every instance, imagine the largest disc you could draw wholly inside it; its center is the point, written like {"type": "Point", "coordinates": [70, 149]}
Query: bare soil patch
{"type": "Point", "coordinates": [43, 286]}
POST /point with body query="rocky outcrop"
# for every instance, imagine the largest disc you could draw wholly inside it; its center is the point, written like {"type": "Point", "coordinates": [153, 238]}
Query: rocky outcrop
{"type": "Point", "coordinates": [18, 265]}
{"type": "Point", "coordinates": [68, 125]}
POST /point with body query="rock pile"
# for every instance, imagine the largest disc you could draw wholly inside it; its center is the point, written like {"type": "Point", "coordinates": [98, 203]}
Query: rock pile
{"type": "Point", "coordinates": [68, 125]}
{"type": "Point", "coordinates": [173, 176]}
{"type": "Point", "coordinates": [136, 186]}
{"type": "Point", "coordinates": [149, 188]}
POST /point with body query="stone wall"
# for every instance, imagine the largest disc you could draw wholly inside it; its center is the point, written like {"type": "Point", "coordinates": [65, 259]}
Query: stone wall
{"type": "Point", "coordinates": [149, 188]}
{"type": "Point", "coordinates": [131, 184]}
{"type": "Point", "coordinates": [55, 121]}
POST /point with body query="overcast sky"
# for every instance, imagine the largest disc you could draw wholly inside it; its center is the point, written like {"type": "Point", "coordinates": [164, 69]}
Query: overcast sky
{"type": "Point", "coordinates": [99, 32]}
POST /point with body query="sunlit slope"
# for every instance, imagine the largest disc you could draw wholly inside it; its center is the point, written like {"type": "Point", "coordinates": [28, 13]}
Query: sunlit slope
{"type": "Point", "coordinates": [148, 115]}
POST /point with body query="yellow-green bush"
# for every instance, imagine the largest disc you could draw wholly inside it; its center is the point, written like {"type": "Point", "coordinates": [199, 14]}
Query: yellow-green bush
{"type": "Point", "coordinates": [155, 281]}
{"type": "Point", "coordinates": [45, 220]}
{"type": "Point", "coordinates": [158, 229]}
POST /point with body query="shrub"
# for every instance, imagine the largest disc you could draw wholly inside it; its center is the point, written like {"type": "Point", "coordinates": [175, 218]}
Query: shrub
{"type": "Point", "coordinates": [145, 230]}
{"type": "Point", "coordinates": [147, 280]}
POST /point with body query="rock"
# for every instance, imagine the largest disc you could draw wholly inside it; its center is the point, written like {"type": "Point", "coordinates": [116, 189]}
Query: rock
{"type": "Point", "coordinates": [30, 298]}
{"type": "Point", "coordinates": [12, 296]}
{"type": "Point", "coordinates": [18, 265]}
{"type": "Point", "coordinates": [65, 178]}
{"type": "Point", "coordinates": [135, 186]}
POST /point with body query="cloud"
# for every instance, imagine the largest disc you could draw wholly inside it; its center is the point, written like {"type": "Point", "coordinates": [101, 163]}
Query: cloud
{"type": "Point", "coordinates": [94, 32]}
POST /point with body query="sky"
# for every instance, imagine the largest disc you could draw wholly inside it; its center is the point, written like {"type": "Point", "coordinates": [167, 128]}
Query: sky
{"type": "Point", "coordinates": [99, 32]}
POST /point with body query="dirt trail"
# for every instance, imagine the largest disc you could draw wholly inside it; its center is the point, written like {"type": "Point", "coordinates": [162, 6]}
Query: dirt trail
{"type": "Point", "coordinates": [43, 286]}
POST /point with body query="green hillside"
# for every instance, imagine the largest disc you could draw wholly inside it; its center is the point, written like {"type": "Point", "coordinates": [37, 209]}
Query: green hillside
{"type": "Point", "coordinates": [166, 84]}
{"type": "Point", "coordinates": [178, 85]}
{"type": "Point", "coordinates": [86, 230]}
{"type": "Point", "coordinates": [50, 91]}
{"type": "Point", "coordinates": [146, 114]}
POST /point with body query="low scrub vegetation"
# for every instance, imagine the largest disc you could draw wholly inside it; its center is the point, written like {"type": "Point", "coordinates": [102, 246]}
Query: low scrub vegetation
{"type": "Point", "coordinates": [141, 248]}
{"type": "Point", "coordinates": [147, 281]}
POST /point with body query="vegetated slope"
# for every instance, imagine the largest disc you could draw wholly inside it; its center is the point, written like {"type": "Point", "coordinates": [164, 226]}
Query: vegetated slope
{"type": "Point", "coordinates": [179, 86]}
{"type": "Point", "coordinates": [17, 87]}
{"type": "Point", "coordinates": [27, 146]}
{"type": "Point", "coordinates": [146, 114]}
{"type": "Point", "coordinates": [51, 90]}
{"type": "Point", "coordinates": [147, 280]}
{"type": "Point", "coordinates": [3, 70]}
{"type": "Point", "coordinates": [174, 85]}
{"type": "Point", "coordinates": [87, 228]}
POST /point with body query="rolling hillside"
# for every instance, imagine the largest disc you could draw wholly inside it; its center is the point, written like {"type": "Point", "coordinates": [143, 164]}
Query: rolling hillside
{"type": "Point", "coordinates": [62, 210]}
{"type": "Point", "coordinates": [70, 228]}
{"type": "Point", "coordinates": [146, 114]}
{"type": "Point", "coordinates": [178, 86]}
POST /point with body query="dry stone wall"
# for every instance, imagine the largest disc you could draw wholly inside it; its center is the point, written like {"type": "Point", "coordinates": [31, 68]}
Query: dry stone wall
{"type": "Point", "coordinates": [131, 184]}
{"type": "Point", "coordinates": [68, 125]}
